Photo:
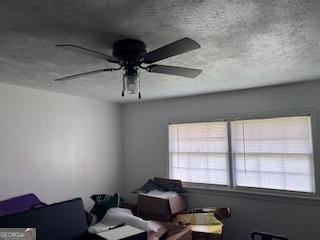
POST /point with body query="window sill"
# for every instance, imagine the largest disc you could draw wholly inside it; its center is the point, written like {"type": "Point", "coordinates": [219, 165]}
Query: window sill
{"type": "Point", "coordinates": [255, 194]}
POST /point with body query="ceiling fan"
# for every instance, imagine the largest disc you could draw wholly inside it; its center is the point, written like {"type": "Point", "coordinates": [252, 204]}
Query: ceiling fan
{"type": "Point", "coordinates": [131, 55]}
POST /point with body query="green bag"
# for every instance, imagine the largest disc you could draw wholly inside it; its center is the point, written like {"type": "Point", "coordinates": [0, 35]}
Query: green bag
{"type": "Point", "coordinates": [103, 202]}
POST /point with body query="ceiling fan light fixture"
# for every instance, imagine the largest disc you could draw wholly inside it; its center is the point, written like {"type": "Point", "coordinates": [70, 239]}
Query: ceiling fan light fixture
{"type": "Point", "coordinates": [131, 80]}
{"type": "Point", "coordinates": [132, 86]}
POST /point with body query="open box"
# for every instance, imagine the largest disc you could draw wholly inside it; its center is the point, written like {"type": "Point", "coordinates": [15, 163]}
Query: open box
{"type": "Point", "coordinates": [161, 209]}
{"type": "Point", "coordinates": [171, 231]}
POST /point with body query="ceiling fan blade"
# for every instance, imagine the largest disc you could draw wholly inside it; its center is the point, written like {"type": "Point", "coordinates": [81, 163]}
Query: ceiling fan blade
{"type": "Point", "coordinates": [173, 70]}
{"type": "Point", "coordinates": [84, 74]}
{"type": "Point", "coordinates": [88, 52]}
{"type": "Point", "coordinates": [181, 46]}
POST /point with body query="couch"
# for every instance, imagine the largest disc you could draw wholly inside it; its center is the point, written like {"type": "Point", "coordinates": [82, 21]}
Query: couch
{"type": "Point", "coordinates": [60, 221]}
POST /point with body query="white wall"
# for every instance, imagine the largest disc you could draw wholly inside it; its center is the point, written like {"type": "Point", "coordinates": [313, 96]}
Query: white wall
{"type": "Point", "coordinates": [58, 146]}
{"type": "Point", "coordinates": [146, 155]}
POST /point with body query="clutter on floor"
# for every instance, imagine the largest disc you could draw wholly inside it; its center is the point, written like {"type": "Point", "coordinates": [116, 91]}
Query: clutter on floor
{"type": "Point", "coordinates": [124, 232]}
{"type": "Point", "coordinates": [171, 231]}
{"type": "Point", "coordinates": [118, 216]}
{"type": "Point", "coordinates": [19, 204]}
{"type": "Point", "coordinates": [63, 221]}
{"type": "Point", "coordinates": [160, 213]}
{"type": "Point", "coordinates": [164, 200]}
{"type": "Point", "coordinates": [160, 199]}
{"type": "Point", "coordinates": [160, 206]}
{"type": "Point", "coordinates": [103, 202]}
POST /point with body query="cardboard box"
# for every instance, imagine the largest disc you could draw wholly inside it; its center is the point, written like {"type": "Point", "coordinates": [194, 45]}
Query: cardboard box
{"type": "Point", "coordinates": [170, 231]}
{"type": "Point", "coordinates": [204, 225]}
{"type": "Point", "coordinates": [160, 209]}
{"type": "Point", "coordinates": [220, 213]}
{"type": "Point", "coordinates": [198, 219]}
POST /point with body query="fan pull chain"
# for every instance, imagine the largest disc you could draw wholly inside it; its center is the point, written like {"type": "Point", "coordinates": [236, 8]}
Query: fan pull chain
{"type": "Point", "coordinates": [139, 85]}
{"type": "Point", "coordinates": [123, 85]}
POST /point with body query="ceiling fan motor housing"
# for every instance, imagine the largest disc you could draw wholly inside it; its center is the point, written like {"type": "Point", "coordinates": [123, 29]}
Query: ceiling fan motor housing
{"type": "Point", "coordinates": [129, 49]}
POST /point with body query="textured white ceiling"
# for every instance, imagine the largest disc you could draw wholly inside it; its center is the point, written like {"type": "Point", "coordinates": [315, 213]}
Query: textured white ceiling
{"type": "Point", "coordinates": [245, 43]}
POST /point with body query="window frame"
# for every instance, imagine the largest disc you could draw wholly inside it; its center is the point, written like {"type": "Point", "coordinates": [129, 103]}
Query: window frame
{"type": "Point", "coordinates": [228, 118]}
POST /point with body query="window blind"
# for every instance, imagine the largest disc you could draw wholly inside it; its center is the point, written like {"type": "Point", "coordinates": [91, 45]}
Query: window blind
{"type": "Point", "coordinates": [273, 153]}
{"type": "Point", "coordinates": [198, 152]}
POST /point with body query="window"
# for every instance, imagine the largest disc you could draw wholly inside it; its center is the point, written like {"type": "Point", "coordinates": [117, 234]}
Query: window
{"type": "Point", "coordinates": [199, 152]}
{"type": "Point", "coordinates": [271, 153]}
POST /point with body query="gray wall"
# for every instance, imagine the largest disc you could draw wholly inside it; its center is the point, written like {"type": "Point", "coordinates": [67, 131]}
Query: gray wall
{"type": "Point", "coordinates": [58, 146]}
{"type": "Point", "coordinates": [146, 155]}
